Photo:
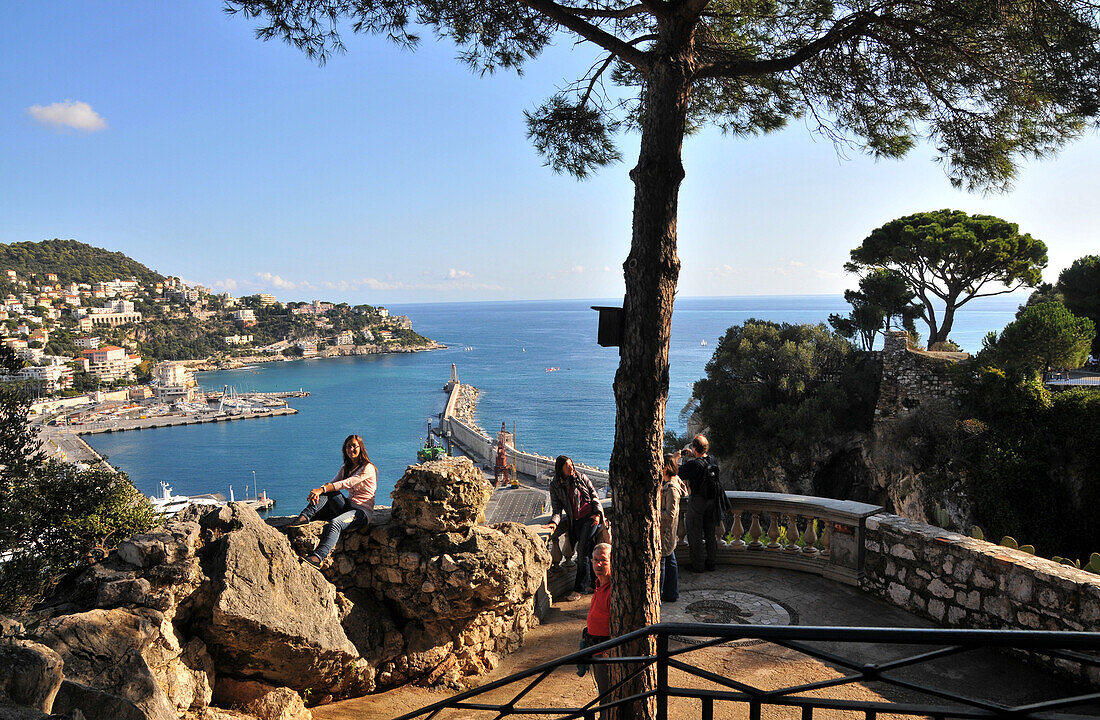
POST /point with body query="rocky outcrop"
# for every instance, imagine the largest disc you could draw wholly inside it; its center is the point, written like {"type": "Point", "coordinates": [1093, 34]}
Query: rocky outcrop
{"type": "Point", "coordinates": [218, 606]}
{"type": "Point", "coordinates": [33, 674]}
{"type": "Point", "coordinates": [432, 595]}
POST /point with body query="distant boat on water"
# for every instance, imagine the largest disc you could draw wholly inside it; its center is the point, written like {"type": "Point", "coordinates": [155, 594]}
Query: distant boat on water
{"type": "Point", "coordinates": [703, 343]}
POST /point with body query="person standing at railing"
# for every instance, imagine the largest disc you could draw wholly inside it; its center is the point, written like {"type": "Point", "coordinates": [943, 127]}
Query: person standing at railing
{"type": "Point", "coordinates": [672, 489]}
{"type": "Point", "coordinates": [700, 472]}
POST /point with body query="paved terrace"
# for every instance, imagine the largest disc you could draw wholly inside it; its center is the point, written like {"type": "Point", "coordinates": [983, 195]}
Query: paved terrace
{"type": "Point", "coordinates": [751, 595]}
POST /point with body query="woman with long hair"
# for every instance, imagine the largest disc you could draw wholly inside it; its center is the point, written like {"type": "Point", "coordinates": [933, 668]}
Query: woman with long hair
{"type": "Point", "coordinates": [360, 477]}
{"type": "Point", "coordinates": [573, 495]}
{"type": "Point", "coordinates": [672, 489]}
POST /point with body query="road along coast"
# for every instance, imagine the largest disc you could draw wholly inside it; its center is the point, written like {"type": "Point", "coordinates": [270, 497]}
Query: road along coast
{"type": "Point", "coordinates": [123, 425]}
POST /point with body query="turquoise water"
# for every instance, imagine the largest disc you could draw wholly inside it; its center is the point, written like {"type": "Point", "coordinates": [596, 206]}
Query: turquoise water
{"type": "Point", "coordinates": [503, 348]}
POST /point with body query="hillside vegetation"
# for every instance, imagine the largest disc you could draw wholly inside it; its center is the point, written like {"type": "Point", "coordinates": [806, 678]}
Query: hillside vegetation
{"type": "Point", "coordinates": [73, 261]}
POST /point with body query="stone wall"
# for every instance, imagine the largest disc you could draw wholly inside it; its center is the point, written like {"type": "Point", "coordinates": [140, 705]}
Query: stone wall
{"type": "Point", "coordinates": [963, 582]}
{"type": "Point", "coordinates": [435, 594]}
{"type": "Point", "coordinates": [912, 377]}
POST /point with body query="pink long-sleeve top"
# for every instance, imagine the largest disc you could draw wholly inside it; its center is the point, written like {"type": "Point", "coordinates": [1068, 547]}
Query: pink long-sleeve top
{"type": "Point", "coordinates": [361, 484]}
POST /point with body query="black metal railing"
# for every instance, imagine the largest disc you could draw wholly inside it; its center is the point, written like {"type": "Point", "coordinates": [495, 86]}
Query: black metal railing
{"type": "Point", "coordinates": [917, 696]}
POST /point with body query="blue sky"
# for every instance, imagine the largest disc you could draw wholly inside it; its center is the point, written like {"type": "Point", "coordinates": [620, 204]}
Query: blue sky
{"type": "Point", "coordinates": [167, 131]}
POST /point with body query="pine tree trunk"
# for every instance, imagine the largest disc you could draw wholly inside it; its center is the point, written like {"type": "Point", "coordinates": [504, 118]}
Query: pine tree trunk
{"type": "Point", "coordinates": [641, 383]}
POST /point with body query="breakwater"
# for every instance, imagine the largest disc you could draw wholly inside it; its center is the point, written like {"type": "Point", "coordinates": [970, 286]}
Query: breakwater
{"type": "Point", "coordinates": [458, 427]}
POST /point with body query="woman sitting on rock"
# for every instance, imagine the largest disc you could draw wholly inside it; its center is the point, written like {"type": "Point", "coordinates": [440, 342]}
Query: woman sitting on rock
{"type": "Point", "coordinates": [360, 477]}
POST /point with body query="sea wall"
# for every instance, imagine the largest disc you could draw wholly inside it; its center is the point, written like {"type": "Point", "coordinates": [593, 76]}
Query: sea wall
{"type": "Point", "coordinates": [481, 448]}
{"type": "Point", "coordinates": [964, 582]}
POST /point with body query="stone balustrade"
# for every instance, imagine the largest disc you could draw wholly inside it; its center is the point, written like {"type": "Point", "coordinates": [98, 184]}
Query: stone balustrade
{"type": "Point", "coordinates": [796, 532]}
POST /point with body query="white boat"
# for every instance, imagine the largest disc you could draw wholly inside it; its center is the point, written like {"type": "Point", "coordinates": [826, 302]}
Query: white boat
{"type": "Point", "coordinates": [168, 504]}
{"type": "Point", "coordinates": [702, 343]}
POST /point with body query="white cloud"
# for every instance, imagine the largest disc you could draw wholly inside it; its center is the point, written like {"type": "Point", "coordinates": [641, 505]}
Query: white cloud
{"type": "Point", "coordinates": [227, 284]}
{"type": "Point", "coordinates": [454, 274]}
{"type": "Point", "coordinates": [723, 271]}
{"type": "Point", "coordinates": [283, 284]}
{"type": "Point", "coordinates": [796, 263]}
{"type": "Point", "coordinates": [576, 269]}
{"type": "Point", "coordinates": [71, 114]}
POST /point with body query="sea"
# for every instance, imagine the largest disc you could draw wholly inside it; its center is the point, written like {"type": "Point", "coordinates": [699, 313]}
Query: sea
{"type": "Point", "coordinates": [536, 363]}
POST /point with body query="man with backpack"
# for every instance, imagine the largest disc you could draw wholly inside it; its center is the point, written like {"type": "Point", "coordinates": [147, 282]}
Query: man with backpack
{"type": "Point", "coordinates": [700, 472]}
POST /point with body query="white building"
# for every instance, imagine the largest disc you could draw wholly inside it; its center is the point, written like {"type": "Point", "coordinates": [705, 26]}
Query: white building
{"type": "Point", "coordinates": [238, 339]}
{"type": "Point", "coordinates": [266, 299]}
{"type": "Point", "coordinates": [345, 338]}
{"type": "Point", "coordinates": [87, 343]}
{"type": "Point", "coordinates": [120, 312]}
{"type": "Point", "coordinates": [175, 381]}
{"type": "Point", "coordinates": [53, 376]}
{"type": "Point", "coordinates": [245, 316]}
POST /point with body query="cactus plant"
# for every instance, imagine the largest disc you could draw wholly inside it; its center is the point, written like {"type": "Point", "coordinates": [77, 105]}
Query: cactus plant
{"type": "Point", "coordinates": [1094, 563]}
{"type": "Point", "coordinates": [1029, 549]}
{"type": "Point", "coordinates": [1010, 542]}
{"type": "Point", "coordinates": [976, 533]}
{"type": "Point", "coordinates": [941, 518]}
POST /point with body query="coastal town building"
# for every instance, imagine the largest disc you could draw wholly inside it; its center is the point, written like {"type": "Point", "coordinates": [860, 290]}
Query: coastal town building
{"type": "Point", "coordinates": [113, 314]}
{"type": "Point", "coordinates": [87, 343]}
{"type": "Point", "coordinates": [266, 299]}
{"type": "Point", "coordinates": [54, 376]}
{"type": "Point", "coordinates": [345, 338]}
{"type": "Point", "coordinates": [175, 382]}
{"type": "Point", "coordinates": [238, 339]}
{"type": "Point", "coordinates": [248, 317]}
{"type": "Point", "coordinates": [110, 362]}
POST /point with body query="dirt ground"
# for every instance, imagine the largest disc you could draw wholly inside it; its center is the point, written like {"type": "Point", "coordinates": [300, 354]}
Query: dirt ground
{"type": "Point", "coordinates": [762, 665]}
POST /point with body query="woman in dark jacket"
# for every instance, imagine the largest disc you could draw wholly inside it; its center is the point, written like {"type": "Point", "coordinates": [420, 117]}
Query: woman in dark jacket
{"type": "Point", "coordinates": [573, 495]}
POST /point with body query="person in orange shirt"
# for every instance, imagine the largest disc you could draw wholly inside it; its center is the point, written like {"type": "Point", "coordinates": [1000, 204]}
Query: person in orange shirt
{"type": "Point", "coordinates": [598, 629]}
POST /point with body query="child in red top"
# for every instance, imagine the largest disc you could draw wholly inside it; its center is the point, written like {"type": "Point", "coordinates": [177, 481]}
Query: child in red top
{"type": "Point", "coordinates": [599, 613]}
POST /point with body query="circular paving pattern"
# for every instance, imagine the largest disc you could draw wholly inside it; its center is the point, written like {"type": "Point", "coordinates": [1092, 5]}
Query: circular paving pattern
{"type": "Point", "coordinates": [726, 606]}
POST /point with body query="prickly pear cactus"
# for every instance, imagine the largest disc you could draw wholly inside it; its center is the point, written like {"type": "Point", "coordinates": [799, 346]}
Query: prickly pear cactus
{"type": "Point", "coordinates": [1010, 542]}
{"type": "Point", "coordinates": [976, 533]}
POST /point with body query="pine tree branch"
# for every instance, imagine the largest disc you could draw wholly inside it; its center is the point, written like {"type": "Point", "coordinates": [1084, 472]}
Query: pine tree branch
{"type": "Point", "coordinates": [844, 30]}
{"type": "Point", "coordinates": [564, 17]}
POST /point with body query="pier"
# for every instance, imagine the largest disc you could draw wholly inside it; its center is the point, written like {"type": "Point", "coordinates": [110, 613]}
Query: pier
{"type": "Point", "coordinates": [125, 424]}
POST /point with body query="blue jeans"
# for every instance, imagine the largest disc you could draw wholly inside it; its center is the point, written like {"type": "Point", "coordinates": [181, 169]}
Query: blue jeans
{"type": "Point", "coordinates": [670, 578]}
{"type": "Point", "coordinates": [341, 515]}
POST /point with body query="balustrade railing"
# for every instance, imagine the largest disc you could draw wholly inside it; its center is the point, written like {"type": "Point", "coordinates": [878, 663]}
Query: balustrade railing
{"type": "Point", "coordinates": [796, 532]}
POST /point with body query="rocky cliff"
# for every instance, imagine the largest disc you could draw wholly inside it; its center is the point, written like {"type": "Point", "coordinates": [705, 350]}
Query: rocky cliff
{"type": "Point", "coordinates": [217, 609]}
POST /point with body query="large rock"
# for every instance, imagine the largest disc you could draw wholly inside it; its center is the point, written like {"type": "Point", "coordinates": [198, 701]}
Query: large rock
{"type": "Point", "coordinates": [261, 700]}
{"type": "Point", "coordinates": [273, 617]}
{"type": "Point", "coordinates": [441, 496]}
{"type": "Point", "coordinates": [30, 673]}
{"type": "Point", "coordinates": [103, 651]}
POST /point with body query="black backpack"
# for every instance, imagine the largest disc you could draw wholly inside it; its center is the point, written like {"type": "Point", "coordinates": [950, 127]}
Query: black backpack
{"type": "Point", "coordinates": [711, 484]}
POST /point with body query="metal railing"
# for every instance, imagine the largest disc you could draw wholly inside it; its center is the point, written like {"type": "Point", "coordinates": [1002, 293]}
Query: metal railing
{"type": "Point", "coordinates": [936, 701]}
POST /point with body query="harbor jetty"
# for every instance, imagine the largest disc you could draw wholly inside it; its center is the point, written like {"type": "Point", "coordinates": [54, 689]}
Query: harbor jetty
{"type": "Point", "coordinates": [458, 428]}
